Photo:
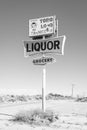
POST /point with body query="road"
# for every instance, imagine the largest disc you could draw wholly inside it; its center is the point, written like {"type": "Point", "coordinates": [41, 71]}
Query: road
{"type": "Point", "coordinates": [72, 115]}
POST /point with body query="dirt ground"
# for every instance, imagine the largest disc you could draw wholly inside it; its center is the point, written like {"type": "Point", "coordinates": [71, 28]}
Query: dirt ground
{"type": "Point", "coordinates": [72, 115]}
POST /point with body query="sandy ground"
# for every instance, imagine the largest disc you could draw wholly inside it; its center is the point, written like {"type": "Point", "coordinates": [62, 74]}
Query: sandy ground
{"type": "Point", "coordinates": [72, 115]}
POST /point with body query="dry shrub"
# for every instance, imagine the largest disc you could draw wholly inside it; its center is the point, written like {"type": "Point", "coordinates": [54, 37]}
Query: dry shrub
{"type": "Point", "coordinates": [36, 117]}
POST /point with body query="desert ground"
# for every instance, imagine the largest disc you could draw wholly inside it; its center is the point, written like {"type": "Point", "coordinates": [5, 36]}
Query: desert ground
{"type": "Point", "coordinates": [72, 115]}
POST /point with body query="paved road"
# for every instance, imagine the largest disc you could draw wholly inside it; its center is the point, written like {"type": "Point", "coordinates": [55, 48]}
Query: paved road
{"type": "Point", "coordinates": [64, 107]}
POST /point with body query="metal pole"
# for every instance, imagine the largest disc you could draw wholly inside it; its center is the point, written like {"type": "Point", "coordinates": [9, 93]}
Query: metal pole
{"type": "Point", "coordinates": [43, 85]}
{"type": "Point", "coordinates": [43, 88]}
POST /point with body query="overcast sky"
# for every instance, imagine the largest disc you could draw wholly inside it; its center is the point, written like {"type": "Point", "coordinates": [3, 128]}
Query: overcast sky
{"type": "Point", "coordinates": [19, 73]}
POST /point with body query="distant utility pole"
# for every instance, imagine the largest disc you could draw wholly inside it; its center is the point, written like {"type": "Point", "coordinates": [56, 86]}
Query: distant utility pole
{"type": "Point", "coordinates": [72, 90]}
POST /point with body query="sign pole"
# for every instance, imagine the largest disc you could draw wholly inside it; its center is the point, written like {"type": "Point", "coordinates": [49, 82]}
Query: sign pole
{"type": "Point", "coordinates": [43, 88]}
{"type": "Point", "coordinates": [43, 85]}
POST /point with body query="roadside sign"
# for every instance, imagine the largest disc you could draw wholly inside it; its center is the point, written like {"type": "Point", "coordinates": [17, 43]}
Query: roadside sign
{"type": "Point", "coordinates": [43, 60]}
{"type": "Point", "coordinates": [46, 29]}
{"type": "Point", "coordinates": [42, 26]}
{"type": "Point", "coordinates": [54, 45]}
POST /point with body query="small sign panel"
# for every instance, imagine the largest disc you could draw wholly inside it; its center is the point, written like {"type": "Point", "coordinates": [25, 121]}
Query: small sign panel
{"type": "Point", "coordinates": [43, 60]}
{"type": "Point", "coordinates": [55, 45]}
{"type": "Point", "coordinates": [42, 26]}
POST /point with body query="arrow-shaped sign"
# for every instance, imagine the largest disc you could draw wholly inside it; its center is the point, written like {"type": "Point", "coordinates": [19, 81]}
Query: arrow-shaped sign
{"type": "Point", "coordinates": [43, 60]}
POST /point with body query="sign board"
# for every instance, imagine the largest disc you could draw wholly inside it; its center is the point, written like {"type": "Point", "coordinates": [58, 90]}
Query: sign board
{"type": "Point", "coordinates": [43, 60]}
{"type": "Point", "coordinates": [42, 26]}
{"type": "Point", "coordinates": [55, 45]}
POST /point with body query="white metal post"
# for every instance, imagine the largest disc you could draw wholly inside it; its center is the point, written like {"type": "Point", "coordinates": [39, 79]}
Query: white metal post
{"type": "Point", "coordinates": [43, 88]}
{"type": "Point", "coordinates": [43, 85]}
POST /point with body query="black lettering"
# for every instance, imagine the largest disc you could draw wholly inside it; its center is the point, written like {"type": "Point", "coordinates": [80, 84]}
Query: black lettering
{"type": "Point", "coordinates": [50, 25]}
{"type": "Point", "coordinates": [51, 19]}
{"type": "Point", "coordinates": [44, 20]}
{"type": "Point", "coordinates": [41, 20]}
{"type": "Point", "coordinates": [51, 59]}
{"type": "Point", "coordinates": [43, 26]}
{"type": "Point", "coordinates": [56, 44]}
{"type": "Point", "coordinates": [37, 46]}
{"type": "Point", "coordinates": [47, 59]}
{"type": "Point", "coordinates": [36, 61]}
{"type": "Point", "coordinates": [27, 48]}
{"type": "Point", "coordinates": [32, 47]}
{"type": "Point", "coordinates": [50, 45]}
{"type": "Point", "coordinates": [39, 60]}
{"type": "Point", "coordinates": [43, 60]}
{"type": "Point", "coordinates": [43, 46]}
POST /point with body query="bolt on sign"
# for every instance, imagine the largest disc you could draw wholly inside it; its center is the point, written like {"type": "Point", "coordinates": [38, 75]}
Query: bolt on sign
{"type": "Point", "coordinates": [54, 45]}
{"type": "Point", "coordinates": [42, 26]}
{"type": "Point", "coordinates": [43, 60]}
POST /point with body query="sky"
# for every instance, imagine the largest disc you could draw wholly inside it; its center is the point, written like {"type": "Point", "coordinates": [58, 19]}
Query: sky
{"type": "Point", "coordinates": [17, 73]}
